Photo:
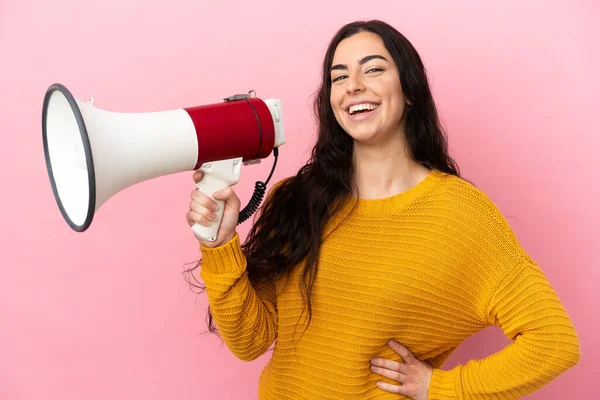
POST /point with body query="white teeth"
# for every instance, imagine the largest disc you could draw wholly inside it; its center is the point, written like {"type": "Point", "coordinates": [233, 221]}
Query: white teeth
{"type": "Point", "coordinates": [364, 106]}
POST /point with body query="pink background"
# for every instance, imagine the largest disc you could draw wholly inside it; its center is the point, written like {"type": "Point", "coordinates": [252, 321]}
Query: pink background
{"type": "Point", "coordinates": [108, 315]}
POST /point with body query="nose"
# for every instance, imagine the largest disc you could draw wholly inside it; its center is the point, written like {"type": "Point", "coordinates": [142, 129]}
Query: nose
{"type": "Point", "coordinates": [354, 84]}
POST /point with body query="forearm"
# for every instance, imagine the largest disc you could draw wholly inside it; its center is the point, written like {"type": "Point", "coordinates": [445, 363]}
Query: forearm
{"type": "Point", "coordinates": [246, 319]}
{"type": "Point", "coordinates": [517, 370]}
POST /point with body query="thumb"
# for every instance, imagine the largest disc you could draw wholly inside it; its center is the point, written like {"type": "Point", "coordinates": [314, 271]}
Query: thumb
{"type": "Point", "coordinates": [228, 196]}
{"type": "Point", "coordinates": [223, 194]}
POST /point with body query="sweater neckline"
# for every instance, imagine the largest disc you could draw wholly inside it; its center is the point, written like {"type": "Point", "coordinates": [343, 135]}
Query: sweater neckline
{"type": "Point", "coordinates": [398, 201]}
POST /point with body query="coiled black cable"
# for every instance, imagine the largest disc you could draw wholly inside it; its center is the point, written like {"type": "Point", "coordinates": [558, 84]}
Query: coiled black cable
{"type": "Point", "coordinates": [260, 189]}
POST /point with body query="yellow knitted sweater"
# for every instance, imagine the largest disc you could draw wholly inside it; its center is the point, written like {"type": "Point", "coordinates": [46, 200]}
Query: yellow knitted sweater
{"type": "Point", "coordinates": [428, 267]}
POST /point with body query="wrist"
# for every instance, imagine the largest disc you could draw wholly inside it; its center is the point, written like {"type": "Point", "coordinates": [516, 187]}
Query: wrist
{"type": "Point", "coordinates": [219, 242]}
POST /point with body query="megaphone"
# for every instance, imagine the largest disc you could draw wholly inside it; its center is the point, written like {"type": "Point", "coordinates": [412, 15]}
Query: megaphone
{"type": "Point", "coordinates": [92, 154]}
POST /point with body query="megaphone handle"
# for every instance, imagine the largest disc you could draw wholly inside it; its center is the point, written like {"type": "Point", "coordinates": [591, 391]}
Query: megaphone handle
{"type": "Point", "coordinates": [217, 175]}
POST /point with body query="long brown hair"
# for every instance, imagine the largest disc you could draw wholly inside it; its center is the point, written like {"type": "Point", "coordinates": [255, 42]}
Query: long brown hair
{"type": "Point", "coordinates": [288, 229]}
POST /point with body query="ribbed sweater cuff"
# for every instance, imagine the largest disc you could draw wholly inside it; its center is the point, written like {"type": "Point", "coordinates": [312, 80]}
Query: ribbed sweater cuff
{"type": "Point", "coordinates": [443, 385]}
{"type": "Point", "coordinates": [224, 259]}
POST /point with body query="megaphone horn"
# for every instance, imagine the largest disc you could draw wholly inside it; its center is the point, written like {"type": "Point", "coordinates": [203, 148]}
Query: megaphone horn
{"type": "Point", "coordinates": [92, 154]}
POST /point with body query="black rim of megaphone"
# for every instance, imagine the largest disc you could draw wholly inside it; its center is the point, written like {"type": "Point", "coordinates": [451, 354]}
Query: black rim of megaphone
{"type": "Point", "coordinates": [88, 157]}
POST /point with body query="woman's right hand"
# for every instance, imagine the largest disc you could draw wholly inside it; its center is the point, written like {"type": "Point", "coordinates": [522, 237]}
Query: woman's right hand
{"type": "Point", "coordinates": [202, 211]}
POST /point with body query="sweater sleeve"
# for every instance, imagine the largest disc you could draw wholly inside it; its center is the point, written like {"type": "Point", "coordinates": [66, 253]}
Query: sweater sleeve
{"type": "Point", "coordinates": [545, 344]}
{"type": "Point", "coordinates": [246, 316]}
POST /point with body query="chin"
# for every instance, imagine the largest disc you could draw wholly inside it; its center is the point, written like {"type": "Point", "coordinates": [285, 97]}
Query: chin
{"type": "Point", "coordinates": [365, 133]}
{"type": "Point", "coordinates": [365, 137]}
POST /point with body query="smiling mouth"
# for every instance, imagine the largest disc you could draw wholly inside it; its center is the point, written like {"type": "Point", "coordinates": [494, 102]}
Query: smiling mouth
{"type": "Point", "coordinates": [362, 108]}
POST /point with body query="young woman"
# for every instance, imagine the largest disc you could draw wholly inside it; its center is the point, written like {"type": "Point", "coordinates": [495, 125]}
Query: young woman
{"type": "Point", "coordinates": [377, 260]}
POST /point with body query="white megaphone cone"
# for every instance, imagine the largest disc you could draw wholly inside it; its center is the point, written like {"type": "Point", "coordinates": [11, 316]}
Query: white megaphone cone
{"type": "Point", "coordinates": [92, 154]}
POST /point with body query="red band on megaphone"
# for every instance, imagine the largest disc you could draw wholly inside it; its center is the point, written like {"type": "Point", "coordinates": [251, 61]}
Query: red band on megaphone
{"type": "Point", "coordinates": [241, 128]}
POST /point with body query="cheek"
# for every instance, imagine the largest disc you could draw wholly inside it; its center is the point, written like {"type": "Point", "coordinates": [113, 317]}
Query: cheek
{"type": "Point", "coordinates": [334, 97]}
{"type": "Point", "coordinates": [397, 103]}
{"type": "Point", "coordinates": [335, 102]}
{"type": "Point", "coordinates": [396, 109]}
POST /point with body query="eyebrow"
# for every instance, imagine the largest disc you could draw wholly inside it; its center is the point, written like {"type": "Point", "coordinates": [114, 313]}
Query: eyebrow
{"type": "Point", "coordinates": [360, 62]}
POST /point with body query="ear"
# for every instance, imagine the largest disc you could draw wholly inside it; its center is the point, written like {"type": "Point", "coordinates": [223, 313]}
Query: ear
{"type": "Point", "coordinates": [410, 103]}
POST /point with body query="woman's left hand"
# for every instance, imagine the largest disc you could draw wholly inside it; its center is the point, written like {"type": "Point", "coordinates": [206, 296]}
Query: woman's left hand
{"type": "Point", "coordinates": [414, 374]}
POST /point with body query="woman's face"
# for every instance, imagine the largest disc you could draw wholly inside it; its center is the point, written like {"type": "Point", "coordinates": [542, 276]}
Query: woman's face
{"type": "Point", "coordinates": [366, 94]}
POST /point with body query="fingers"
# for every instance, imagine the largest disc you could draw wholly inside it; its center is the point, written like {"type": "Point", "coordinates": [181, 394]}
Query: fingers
{"type": "Point", "coordinates": [203, 200]}
{"type": "Point", "coordinates": [197, 176]}
{"type": "Point", "coordinates": [413, 374]}
{"type": "Point", "coordinates": [389, 365]}
{"type": "Point", "coordinates": [392, 374]}
{"type": "Point", "coordinates": [228, 195]}
{"type": "Point", "coordinates": [201, 209]}
{"type": "Point", "coordinates": [393, 388]}
{"type": "Point", "coordinates": [193, 217]}
{"type": "Point", "coordinates": [406, 355]}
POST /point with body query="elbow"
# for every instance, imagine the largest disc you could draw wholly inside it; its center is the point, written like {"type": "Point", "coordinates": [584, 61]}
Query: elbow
{"type": "Point", "coordinates": [567, 352]}
{"type": "Point", "coordinates": [558, 350]}
{"type": "Point", "coordinates": [575, 353]}
{"type": "Point", "coordinates": [249, 352]}
{"type": "Point", "coordinates": [572, 348]}
{"type": "Point", "coordinates": [248, 346]}
{"type": "Point", "coordinates": [248, 356]}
